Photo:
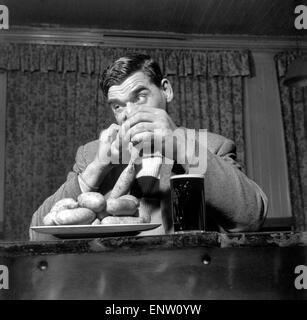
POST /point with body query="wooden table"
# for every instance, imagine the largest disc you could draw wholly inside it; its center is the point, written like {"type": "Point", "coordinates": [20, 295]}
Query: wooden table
{"type": "Point", "coordinates": [196, 265]}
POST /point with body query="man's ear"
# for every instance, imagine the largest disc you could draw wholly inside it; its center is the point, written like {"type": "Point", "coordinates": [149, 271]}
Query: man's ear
{"type": "Point", "coordinates": [167, 90]}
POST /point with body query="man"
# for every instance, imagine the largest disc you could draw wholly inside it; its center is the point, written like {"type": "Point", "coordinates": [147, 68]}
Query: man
{"type": "Point", "coordinates": [138, 95]}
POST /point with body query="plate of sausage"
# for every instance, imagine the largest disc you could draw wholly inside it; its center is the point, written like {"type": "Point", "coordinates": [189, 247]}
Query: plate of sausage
{"type": "Point", "coordinates": [94, 215]}
{"type": "Point", "coordinates": [95, 231]}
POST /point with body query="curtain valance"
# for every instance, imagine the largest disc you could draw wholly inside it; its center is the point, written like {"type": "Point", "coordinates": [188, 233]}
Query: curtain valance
{"type": "Point", "coordinates": [93, 60]}
{"type": "Point", "coordinates": [284, 59]}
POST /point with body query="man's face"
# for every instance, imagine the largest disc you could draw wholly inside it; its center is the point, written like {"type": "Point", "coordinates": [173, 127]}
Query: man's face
{"type": "Point", "coordinates": [134, 93]}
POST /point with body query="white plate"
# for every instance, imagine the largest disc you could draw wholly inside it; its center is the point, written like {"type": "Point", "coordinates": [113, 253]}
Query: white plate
{"type": "Point", "coordinates": [94, 231]}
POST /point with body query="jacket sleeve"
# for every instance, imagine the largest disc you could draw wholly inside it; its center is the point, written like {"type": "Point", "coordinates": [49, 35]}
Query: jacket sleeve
{"type": "Point", "coordinates": [69, 189]}
{"type": "Point", "coordinates": [233, 201]}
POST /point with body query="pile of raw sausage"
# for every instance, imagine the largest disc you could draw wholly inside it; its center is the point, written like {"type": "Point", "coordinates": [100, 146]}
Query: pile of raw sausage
{"type": "Point", "coordinates": [93, 208]}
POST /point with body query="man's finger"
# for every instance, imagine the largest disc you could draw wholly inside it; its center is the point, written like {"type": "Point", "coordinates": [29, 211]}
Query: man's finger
{"type": "Point", "coordinates": [142, 137]}
{"type": "Point", "coordinates": [139, 128]}
{"type": "Point", "coordinates": [109, 135]}
{"type": "Point", "coordinates": [137, 109]}
{"type": "Point", "coordinates": [138, 117]}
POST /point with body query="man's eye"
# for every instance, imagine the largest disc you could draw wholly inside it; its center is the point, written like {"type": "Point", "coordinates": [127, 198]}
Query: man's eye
{"type": "Point", "coordinates": [140, 98]}
{"type": "Point", "coordinates": [116, 107]}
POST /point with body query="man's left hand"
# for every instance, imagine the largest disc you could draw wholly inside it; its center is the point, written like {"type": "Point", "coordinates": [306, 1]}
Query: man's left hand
{"type": "Point", "coordinates": [146, 125]}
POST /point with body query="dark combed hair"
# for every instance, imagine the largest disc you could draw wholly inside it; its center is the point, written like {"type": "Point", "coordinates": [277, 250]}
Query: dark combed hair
{"type": "Point", "coordinates": [125, 66]}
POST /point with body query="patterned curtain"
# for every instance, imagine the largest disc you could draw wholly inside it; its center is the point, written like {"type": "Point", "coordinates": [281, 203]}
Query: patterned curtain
{"type": "Point", "coordinates": [214, 103]}
{"type": "Point", "coordinates": [54, 105]}
{"type": "Point", "coordinates": [294, 113]}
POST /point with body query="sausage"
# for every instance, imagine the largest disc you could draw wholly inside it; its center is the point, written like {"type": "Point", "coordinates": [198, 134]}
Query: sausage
{"type": "Point", "coordinates": [124, 182]}
{"type": "Point", "coordinates": [96, 222]}
{"type": "Point", "coordinates": [145, 209]}
{"type": "Point", "coordinates": [102, 215]}
{"type": "Point", "coordinates": [122, 220]}
{"type": "Point", "coordinates": [145, 216]}
{"type": "Point", "coordinates": [66, 203]}
{"type": "Point", "coordinates": [92, 200]}
{"type": "Point", "coordinates": [49, 219]}
{"type": "Point", "coordinates": [132, 198]}
{"type": "Point", "coordinates": [121, 207]}
{"type": "Point", "coordinates": [74, 216]}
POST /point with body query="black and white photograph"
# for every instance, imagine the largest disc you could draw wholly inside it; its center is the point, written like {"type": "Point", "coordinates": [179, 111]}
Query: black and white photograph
{"type": "Point", "coordinates": [153, 152]}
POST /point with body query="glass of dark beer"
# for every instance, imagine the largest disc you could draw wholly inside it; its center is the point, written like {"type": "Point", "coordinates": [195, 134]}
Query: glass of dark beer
{"type": "Point", "coordinates": [188, 202]}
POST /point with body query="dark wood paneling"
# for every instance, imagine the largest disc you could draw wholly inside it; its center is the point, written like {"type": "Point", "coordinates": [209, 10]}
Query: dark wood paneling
{"type": "Point", "coordinates": [229, 273]}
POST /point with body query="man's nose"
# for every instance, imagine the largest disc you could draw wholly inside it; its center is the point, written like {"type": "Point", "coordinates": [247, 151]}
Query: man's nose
{"type": "Point", "coordinates": [127, 111]}
{"type": "Point", "coordinates": [129, 107]}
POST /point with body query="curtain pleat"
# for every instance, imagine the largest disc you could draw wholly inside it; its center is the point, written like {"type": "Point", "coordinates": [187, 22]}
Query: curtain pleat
{"type": "Point", "coordinates": [294, 114]}
{"type": "Point", "coordinates": [54, 105]}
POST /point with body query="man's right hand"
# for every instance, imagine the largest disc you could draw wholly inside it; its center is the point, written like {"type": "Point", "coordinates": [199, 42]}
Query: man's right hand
{"type": "Point", "coordinates": [106, 139]}
{"type": "Point", "coordinates": [101, 165]}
